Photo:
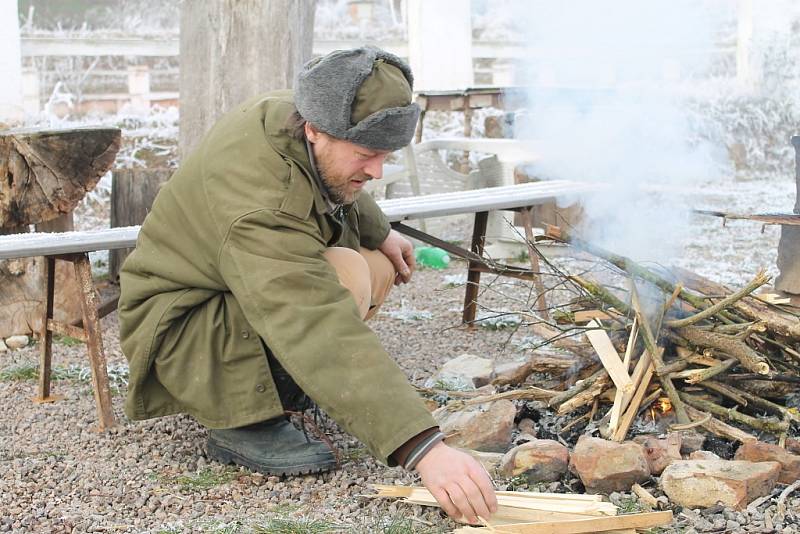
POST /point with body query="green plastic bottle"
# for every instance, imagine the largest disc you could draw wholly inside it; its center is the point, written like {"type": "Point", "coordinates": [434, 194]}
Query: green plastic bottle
{"type": "Point", "coordinates": [433, 257]}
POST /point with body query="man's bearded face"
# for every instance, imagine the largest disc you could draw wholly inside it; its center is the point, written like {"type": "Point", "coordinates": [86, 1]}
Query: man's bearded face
{"type": "Point", "coordinates": [345, 167]}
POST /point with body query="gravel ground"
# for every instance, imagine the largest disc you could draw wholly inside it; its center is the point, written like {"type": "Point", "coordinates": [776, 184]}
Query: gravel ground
{"type": "Point", "coordinates": [57, 474]}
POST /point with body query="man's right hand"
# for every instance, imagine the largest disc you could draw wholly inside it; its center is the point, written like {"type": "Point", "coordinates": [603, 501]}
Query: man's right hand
{"type": "Point", "coordinates": [459, 483]}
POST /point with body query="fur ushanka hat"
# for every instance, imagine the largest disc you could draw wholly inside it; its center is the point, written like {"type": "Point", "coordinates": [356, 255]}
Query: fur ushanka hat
{"type": "Point", "coordinates": [361, 95]}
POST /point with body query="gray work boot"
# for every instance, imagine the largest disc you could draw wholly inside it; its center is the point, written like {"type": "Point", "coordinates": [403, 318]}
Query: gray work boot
{"type": "Point", "coordinates": [271, 447]}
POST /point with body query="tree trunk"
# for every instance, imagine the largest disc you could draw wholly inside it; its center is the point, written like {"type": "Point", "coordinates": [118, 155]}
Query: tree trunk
{"type": "Point", "coordinates": [132, 194]}
{"type": "Point", "coordinates": [45, 173]}
{"type": "Point", "coordinates": [232, 50]}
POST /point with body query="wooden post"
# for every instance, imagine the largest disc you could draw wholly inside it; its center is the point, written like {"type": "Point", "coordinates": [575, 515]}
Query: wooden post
{"type": "Point", "coordinates": [232, 51]}
{"type": "Point", "coordinates": [747, 66]}
{"type": "Point", "coordinates": [139, 87]}
{"type": "Point", "coordinates": [30, 91]}
{"type": "Point", "coordinates": [788, 281]}
{"type": "Point", "coordinates": [132, 194]}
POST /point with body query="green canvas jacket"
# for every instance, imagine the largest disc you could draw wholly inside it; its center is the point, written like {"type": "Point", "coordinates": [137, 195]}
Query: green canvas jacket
{"type": "Point", "coordinates": [230, 254]}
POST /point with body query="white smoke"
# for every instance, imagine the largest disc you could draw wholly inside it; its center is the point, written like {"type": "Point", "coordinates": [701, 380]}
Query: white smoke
{"type": "Point", "coordinates": [606, 81]}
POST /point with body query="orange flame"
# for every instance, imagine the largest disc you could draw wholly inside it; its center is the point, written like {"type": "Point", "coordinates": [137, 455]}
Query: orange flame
{"type": "Point", "coordinates": [661, 406]}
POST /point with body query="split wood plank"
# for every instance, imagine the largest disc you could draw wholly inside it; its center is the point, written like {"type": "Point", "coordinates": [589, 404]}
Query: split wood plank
{"type": "Point", "coordinates": [773, 298]}
{"type": "Point", "coordinates": [584, 316]}
{"type": "Point", "coordinates": [608, 356]}
{"type": "Point", "coordinates": [581, 526]}
{"type": "Point", "coordinates": [620, 403]}
{"type": "Point", "coordinates": [408, 491]}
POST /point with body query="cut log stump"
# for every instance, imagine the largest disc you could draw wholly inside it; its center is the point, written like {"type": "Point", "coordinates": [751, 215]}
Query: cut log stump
{"type": "Point", "coordinates": [45, 173]}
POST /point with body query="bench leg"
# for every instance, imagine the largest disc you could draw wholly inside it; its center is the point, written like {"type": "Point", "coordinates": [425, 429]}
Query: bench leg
{"type": "Point", "coordinates": [94, 342]}
{"type": "Point", "coordinates": [473, 272]}
{"type": "Point", "coordinates": [541, 302]}
{"type": "Point", "coordinates": [45, 334]}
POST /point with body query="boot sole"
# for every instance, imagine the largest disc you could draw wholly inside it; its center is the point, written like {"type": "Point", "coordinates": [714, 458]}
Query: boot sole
{"type": "Point", "coordinates": [227, 456]}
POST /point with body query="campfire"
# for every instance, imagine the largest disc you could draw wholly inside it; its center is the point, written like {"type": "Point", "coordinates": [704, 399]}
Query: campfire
{"type": "Point", "coordinates": [702, 354]}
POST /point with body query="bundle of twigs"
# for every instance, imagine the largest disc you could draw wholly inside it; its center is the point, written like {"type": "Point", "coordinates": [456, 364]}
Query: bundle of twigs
{"type": "Point", "coordinates": [702, 343]}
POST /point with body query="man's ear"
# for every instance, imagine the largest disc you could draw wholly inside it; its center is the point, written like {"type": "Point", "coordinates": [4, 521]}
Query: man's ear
{"type": "Point", "coordinates": [312, 134]}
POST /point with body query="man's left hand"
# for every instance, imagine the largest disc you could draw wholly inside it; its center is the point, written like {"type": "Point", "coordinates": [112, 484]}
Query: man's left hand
{"type": "Point", "coordinates": [401, 253]}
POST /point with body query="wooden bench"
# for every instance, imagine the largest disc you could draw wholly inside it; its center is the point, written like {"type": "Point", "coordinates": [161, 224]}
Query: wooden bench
{"type": "Point", "coordinates": [74, 247]}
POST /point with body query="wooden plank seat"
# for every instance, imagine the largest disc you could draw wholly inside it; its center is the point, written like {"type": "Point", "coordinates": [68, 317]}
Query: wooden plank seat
{"type": "Point", "coordinates": [74, 247]}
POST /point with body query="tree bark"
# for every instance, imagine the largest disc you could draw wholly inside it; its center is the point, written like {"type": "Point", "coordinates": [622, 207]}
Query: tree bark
{"type": "Point", "coordinates": [45, 173]}
{"type": "Point", "coordinates": [232, 50]}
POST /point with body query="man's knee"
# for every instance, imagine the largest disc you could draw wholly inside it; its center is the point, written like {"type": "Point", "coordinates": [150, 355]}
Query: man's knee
{"type": "Point", "coordinates": [354, 274]}
{"type": "Point", "coordinates": [382, 276]}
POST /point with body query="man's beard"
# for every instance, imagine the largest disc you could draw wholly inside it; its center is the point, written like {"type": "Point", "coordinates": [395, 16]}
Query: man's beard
{"type": "Point", "coordinates": [337, 192]}
{"type": "Point", "coordinates": [338, 187]}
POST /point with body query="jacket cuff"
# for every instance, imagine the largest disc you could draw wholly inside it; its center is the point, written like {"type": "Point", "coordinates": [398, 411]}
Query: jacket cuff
{"type": "Point", "coordinates": [422, 449]}
{"type": "Point", "coordinates": [413, 450]}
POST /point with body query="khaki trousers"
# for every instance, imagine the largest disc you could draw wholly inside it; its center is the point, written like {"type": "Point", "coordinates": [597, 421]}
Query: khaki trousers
{"type": "Point", "coordinates": [368, 274]}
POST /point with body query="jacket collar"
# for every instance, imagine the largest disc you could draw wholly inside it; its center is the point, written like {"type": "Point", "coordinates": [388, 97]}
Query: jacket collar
{"type": "Point", "coordinates": [279, 136]}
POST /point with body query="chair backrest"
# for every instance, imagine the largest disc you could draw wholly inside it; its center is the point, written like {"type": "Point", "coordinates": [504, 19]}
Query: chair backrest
{"type": "Point", "coordinates": [425, 170]}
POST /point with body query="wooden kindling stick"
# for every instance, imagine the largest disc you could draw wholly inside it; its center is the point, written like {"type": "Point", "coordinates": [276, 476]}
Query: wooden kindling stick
{"type": "Point", "coordinates": [620, 400]}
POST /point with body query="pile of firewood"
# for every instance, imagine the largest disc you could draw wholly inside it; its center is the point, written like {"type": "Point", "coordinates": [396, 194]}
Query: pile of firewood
{"type": "Point", "coordinates": [718, 359]}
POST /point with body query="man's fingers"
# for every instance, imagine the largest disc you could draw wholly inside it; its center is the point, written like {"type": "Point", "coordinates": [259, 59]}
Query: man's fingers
{"type": "Point", "coordinates": [401, 266]}
{"type": "Point", "coordinates": [462, 502]}
{"type": "Point", "coordinates": [444, 501]}
{"type": "Point", "coordinates": [476, 498]}
{"type": "Point", "coordinates": [484, 485]}
{"type": "Point", "coordinates": [408, 256]}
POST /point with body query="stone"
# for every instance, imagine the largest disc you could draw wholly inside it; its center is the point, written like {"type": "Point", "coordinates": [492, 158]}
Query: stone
{"type": "Point", "coordinates": [17, 342]}
{"type": "Point", "coordinates": [793, 445]}
{"type": "Point", "coordinates": [758, 451]}
{"type": "Point", "coordinates": [527, 426]}
{"type": "Point", "coordinates": [691, 440]}
{"type": "Point", "coordinates": [703, 455]}
{"type": "Point", "coordinates": [466, 371]}
{"type": "Point", "coordinates": [605, 466]}
{"type": "Point", "coordinates": [540, 460]}
{"type": "Point", "coordinates": [660, 452]}
{"type": "Point", "coordinates": [3, 346]}
{"type": "Point", "coordinates": [491, 461]}
{"type": "Point", "coordinates": [483, 427]}
{"type": "Point", "coordinates": [511, 372]}
{"type": "Point", "coordinates": [704, 483]}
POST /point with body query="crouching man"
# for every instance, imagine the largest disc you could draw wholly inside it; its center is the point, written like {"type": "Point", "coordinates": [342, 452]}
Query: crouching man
{"type": "Point", "coordinates": [256, 268]}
